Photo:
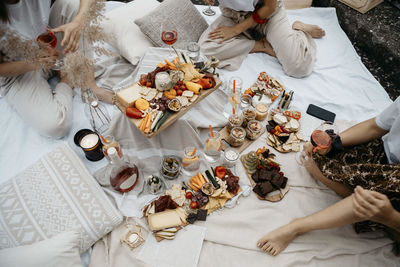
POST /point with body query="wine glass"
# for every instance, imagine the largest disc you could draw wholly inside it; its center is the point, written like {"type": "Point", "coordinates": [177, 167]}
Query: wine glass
{"type": "Point", "coordinates": [321, 140]}
{"type": "Point", "coordinates": [208, 11]}
{"type": "Point", "coordinates": [169, 36]}
{"type": "Point", "coordinates": [49, 38]}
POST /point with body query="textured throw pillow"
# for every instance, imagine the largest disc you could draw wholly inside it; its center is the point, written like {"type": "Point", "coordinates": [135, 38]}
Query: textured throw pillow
{"type": "Point", "coordinates": [61, 250]}
{"type": "Point", "coordinates": [54, 195]}
{"type": "Point", "coordinates": [127, 38]}
{"type": "Point", "coordinates": [182, 14]}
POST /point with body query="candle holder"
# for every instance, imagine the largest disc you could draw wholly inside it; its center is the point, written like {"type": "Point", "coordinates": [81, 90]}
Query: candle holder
{"type": "Point", "coordinates": [90, 143]}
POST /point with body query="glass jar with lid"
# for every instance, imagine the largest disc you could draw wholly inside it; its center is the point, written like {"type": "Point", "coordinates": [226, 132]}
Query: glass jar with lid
{"type": "Point", "coordinates": [248, 115]}
{"type": "Point", "coordinates": [170, 167]}
{"type": "Point", "coordinates": [234, 121]}
{"type": "Point", "coordinates": [261, 112]}
{"type": "Point", "coordinates": [237, 136]}
{"type": "Point", "coordinates": [231, 156]}
{"type": "Point", "coordinates": [254, 129]}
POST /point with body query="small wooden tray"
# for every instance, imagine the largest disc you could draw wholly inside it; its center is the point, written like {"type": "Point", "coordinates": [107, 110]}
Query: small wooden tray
{"type": "Point", "coordinates": [272, 198]}
{"type": "Point", "coordinates": [175, 116]}
{"type": "Point", "coordinates": [224, 134]}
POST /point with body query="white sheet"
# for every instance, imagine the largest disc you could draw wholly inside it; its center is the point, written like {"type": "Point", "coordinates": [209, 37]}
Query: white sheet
{"type": "Point", "coordinates": [340, 83]}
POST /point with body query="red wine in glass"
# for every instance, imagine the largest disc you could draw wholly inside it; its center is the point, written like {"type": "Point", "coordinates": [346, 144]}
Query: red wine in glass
{"type": "Point", "coordinates": [48, 38]}
{"type": "Point", "coordinates": [169, 37]}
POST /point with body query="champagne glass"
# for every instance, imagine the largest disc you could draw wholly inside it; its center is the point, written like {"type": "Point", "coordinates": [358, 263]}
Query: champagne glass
{"type": "Point", "coordinates": [208, 11]}
{"type": "Point", "coordinates": [321, 139]}
{"type": "Point", "coordinates": [169, 36]}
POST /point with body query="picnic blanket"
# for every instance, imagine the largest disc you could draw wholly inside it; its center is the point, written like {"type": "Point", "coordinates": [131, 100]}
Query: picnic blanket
{"type": "Point", "coordinates": [340, 83]}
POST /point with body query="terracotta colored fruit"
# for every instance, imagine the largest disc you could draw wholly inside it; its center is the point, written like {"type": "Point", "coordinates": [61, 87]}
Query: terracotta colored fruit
{"type": "Point", "coordinates": [193, 205]}
{"type": "Point", "coordinates": [189, 195]}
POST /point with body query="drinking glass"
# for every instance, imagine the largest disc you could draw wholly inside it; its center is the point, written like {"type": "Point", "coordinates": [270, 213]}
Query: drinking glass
{"type": "Point", "coordinates": [49, 38]}
{"type": "Point", "coordinates": [193, 51]}
{"type": "Point", "coordinates": [169, 36]}
{"type": "Point", "coordinates": [208, 11]}
{"type": "Point", "coordinates": [245, 101]}
{"type": "Point", "coordinates": [321, 139]}
{"type": "Point", "coordinates": [212, 147]}
{"type": "Point", "coordinates": [235, 86]}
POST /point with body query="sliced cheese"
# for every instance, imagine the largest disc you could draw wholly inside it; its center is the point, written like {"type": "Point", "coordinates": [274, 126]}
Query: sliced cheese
{"type": "Point", "coordinates": [164, 219]}
{"type": "Point", "coordinates": [129, 95]}
{"type": "Point", "coordinates": [187, 93]}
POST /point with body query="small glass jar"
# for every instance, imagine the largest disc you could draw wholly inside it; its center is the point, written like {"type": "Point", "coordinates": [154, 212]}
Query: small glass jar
{"type": "Point", "coordinates": [237, 136]}
{"type": "Point", "coordinates": [234, 121]}
{"type": "Point", "coordinates": [261, 112]}
{"type": "Point", "coordinates": [248, 115]}
{"type": "Point", "coordinates": [253, 130]}
{"type": "Point", "coordinates": [170, 167]}
{"type": "Point", "coordinates": [231, 156]}
{"type": "Point", "coordinates": [190, 161]}
{"type": "Point", "coordinates": [109, 141]}
{"type": "Point", "coordinates": [245, 101]}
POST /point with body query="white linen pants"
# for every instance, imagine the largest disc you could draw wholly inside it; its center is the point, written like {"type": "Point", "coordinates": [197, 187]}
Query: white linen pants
{"type": "Point", "coordinates": [295, 50]}
{"type": "Point", "coordinates": [50, 113]}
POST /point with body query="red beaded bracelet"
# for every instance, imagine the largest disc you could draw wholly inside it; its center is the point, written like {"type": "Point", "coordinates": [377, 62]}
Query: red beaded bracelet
{"type": "Point", "coordinates": [257, 18]}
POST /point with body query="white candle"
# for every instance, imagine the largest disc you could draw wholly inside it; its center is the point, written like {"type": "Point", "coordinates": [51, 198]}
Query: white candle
{"type": "Point", "coordinates": [89, 141]}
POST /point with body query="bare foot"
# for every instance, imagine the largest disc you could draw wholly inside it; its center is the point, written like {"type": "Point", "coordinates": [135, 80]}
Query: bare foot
{"type": "Point", "coordinates": [276, 241]}
{"type": "Point", "coordinates": [314, 30]}
{"type": "Point", "coordinates": [263, 46]}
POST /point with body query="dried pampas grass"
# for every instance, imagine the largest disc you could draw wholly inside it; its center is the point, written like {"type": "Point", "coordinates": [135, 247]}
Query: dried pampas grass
{"type": "Point", "coordinates": [13, 46]}
{"type": "Point", "coordinates": [77, 68]}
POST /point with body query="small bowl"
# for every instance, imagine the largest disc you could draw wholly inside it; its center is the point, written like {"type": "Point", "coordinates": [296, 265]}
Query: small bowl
{"type": "Point", "coordinates": [207, 189]}
{"type": "Point", "coordinates": [174, 105]}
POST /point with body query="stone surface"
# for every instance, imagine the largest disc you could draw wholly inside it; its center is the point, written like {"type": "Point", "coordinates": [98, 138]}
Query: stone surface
{"type": "Point", "coordinates": [375, 35]}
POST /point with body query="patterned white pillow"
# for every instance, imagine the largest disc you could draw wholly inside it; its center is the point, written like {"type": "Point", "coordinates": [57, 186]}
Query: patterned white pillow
{"type": "Point", "coordinates": [55, 194]}
{"type": "Point", "coordinates": [189, 23]}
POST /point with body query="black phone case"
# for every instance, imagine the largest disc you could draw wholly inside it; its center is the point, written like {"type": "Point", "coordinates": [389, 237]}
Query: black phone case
{"type": "Point", "coordinates": [321, 113]}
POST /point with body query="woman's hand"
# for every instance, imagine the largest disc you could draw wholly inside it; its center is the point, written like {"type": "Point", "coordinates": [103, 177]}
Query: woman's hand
{"type": "Point", "coordinates": [223, 33]}
{"type": "Point", "coordinates": [47, 59]}
{"type": "Point", "coordinates": [72, 34]}
{"type": "Point", "coordinates": [371, 205]}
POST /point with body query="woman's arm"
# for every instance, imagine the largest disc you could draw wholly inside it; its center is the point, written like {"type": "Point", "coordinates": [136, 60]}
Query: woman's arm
{"type": "Point", "coordinates": [361, 133]}
{"type": "Point", "coordinates": [72, 30]}
{"type": "Point", "coordinates": [15, 68]}
{"type": "Point", "coordinates": [226, 33]}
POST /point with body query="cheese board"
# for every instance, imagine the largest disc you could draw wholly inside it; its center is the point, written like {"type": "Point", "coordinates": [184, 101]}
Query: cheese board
{"type": "Point", "coordinates": [165, 90]}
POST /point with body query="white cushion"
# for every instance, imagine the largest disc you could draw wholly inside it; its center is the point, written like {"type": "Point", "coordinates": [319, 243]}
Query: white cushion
{"type": "Point", "coordinates": [61, 250]}
{"type": "Point", "coordinates": [55, 194]}
{"type": "Point", "coordinates": [127, 38]}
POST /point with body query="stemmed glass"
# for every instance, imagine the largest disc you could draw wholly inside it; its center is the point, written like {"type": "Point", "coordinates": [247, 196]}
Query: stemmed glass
{"type": "Point", "coordinates": [208, 11]}
{"type": "Point", "coordinates": [169, 36]}
{"type": "Point", "coordinates": [321, 139]}
{"type": "Point", "coordinates": [49, 38]}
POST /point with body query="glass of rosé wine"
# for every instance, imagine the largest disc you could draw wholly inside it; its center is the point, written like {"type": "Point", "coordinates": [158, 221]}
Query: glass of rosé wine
{"type": "Point", "coordinates": [169, 36]}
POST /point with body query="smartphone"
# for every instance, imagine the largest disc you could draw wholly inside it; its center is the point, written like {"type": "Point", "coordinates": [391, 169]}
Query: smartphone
{"type": "Point", "coordinates": [321, 113]}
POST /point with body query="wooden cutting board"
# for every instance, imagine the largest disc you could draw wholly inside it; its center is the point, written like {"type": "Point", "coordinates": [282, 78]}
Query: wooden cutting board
{"type": "Point", "coordinates": [175, 116]}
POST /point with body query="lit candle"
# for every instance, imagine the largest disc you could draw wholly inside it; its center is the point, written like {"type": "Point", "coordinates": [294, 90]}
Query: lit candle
{"type": "Point", "coordinates": [89, 141]}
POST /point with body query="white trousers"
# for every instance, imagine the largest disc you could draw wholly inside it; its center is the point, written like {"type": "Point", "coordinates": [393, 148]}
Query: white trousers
{"type": "Point", "coordinates": [49, 112]}
{"type": "Point", "coordinates": [295, 50]}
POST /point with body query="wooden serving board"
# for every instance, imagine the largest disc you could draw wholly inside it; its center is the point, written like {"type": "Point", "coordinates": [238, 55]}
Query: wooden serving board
{"type": "Point", "coordinates": [224, 134]}
{"type": "Point", "coordinates": [171, 119]}
{"type": "Point", "coordinates": [274, 196]}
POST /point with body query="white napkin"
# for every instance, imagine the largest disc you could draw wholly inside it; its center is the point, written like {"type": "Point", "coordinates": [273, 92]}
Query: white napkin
{"type": "Point", "coordinates": [182, 251]}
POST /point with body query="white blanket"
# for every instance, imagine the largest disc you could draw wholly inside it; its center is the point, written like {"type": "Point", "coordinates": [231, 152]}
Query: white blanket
{"type": "Point", "coordinates": [340, 83]}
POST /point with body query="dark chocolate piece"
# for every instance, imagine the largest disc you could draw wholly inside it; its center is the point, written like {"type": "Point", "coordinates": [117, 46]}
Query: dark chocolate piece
{"type": "Point", "coordinates": [269, 128]}
{"type": "Point", "coordinates": [201, 215]}
{"type": "Point", "coordinates": [277, 181]}
{"type": "Point", "coordinates": [272, 123]}
{"type": "Point", "coordinates": [255, 176]}
{"type": "Point", "coordinates": [283, 137]}
{"type": "Point", "coordinates": [191, 218]}
{"type": "Point", "coordinates": [284, 182]}
{"type": "Point", "coordinates": [266, 187]}
{"type": "Point", "coordinates": [257, 190]}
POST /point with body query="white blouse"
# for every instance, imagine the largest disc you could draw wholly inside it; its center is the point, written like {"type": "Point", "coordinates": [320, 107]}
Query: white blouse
{"type": "Point", "coordinates": [239, 5]}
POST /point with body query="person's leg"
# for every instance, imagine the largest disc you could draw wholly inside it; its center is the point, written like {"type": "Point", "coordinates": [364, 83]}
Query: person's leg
{"type": "Point", "coordinates": [314, 30]}
{"type": "Point", "coordinates": [295, 49]}
{"type": "Point", "coordinates": [49, 113]}
{"type": "Point", "coordinates": [339, 214]}
{"type": "Point", "coordinates": [230, 53]}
